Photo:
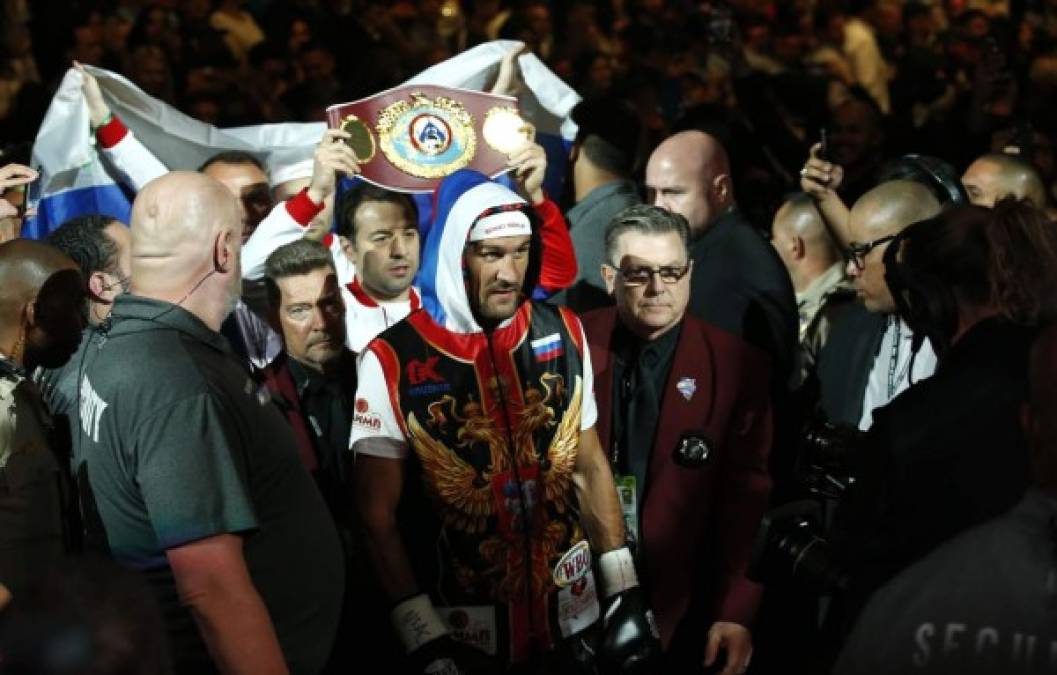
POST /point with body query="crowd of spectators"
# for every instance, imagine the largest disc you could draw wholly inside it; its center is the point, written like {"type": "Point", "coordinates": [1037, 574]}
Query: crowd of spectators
{"type": "Point", "coordinates": [883, 301]}
{"type": "Point", "coordinates": [937, 77]}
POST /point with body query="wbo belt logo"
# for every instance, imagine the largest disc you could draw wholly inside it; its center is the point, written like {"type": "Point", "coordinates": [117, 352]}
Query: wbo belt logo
{"type": "Point", "coordinates": [573, 566]}
{"type": "Point", "coordinates": [427, 137]}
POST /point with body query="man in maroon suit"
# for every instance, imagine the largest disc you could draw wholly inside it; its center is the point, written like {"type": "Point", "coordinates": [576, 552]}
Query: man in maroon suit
{"type": "Point", "coordinates": [685, 415]}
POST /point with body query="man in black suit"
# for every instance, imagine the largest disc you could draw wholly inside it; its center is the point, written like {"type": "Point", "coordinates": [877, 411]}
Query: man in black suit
{"type": "Point", "coordinates": [739, 283]}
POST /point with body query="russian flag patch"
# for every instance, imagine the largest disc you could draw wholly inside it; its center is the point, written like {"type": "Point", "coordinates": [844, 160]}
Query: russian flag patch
{"type": "Point", "coordinates": [547, 348]}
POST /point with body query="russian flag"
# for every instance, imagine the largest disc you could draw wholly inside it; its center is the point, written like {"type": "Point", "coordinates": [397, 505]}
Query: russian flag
{"type": "Point", "coordinates": [75, 180]}
{"type": "Point", "coordinates": [547, 348]}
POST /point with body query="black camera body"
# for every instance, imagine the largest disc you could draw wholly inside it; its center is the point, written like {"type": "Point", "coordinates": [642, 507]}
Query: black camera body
{"type": "Point", "coordinates": [791, 546]}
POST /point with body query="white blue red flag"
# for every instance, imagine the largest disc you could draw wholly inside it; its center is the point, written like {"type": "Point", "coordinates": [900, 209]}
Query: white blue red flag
{"type": "Point", "coordinates": [75, 180]}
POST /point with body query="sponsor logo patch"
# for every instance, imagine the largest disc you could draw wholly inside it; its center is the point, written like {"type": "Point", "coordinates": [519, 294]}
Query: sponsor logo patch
{"type": "Point", "coordinates": [421, 371]}
{"type": "Point", "coordinates": [473, 626]}
{"type": "Point", "coordinates": [429, 389]}
{"type": "Point", "coordinates": [364, 419]}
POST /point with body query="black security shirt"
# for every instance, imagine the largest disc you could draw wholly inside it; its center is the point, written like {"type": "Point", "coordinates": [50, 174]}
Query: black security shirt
{"type": "Point", "coordinates": [180, 445]}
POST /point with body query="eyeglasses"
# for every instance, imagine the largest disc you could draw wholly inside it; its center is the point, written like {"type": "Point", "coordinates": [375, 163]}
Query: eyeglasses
{"type": "Point", "coordinates": [640, 276]}
{"type": "Point", "coordinates": [857, 252]}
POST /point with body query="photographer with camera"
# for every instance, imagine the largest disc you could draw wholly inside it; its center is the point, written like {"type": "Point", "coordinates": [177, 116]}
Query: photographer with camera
{"type": "Point", "coordinates": [936, 617]}
{"type": "Point", "coordinates": [948, 453]}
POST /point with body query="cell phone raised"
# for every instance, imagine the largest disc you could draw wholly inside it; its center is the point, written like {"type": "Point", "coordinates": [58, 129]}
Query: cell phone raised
{"type": "Point", "coordinates": [823, 152]}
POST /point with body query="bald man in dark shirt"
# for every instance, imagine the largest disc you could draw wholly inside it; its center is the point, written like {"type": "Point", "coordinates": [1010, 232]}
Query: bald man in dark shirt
{"type": "Point", "coordinates": [40, 322]}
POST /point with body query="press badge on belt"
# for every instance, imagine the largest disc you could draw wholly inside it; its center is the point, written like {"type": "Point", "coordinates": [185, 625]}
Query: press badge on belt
{"type": "Point", "coordinates": [628, 493]}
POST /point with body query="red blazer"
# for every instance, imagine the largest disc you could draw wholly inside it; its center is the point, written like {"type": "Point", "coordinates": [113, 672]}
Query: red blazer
{"type": "Point", "coordinates": [697, 524]}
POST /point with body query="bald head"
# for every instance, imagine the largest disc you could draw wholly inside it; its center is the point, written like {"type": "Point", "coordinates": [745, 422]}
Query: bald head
{"type": "Point", "coordinates": [879, 214]}
{"type": "Point", "coordinates": [798, 217]}
{"type": "Point", "coordinates": [25, 266]}
{"type": "Point", "coordinates": [186, 233]}
{"type": "Point", "coordinates": [802, 241]}
{"type": "Point", "coordinates": [41, 303]}
{"type": "Point", "coordinates": [994, 176]}
{"type": "Point", "coordinates": [889, 208]}
{"type": "Point", "coordinates": [689, 174]}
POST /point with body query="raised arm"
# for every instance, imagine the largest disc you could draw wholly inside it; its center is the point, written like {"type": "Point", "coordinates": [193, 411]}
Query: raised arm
{"type": "Point", "coordinates": [135, 164]}
{"type": "Point", "coordinates": [820, 179]}
{"type": "Point", "coordinates": [558, 264]}
{"type": "Point", "coordinates": [289, 221]}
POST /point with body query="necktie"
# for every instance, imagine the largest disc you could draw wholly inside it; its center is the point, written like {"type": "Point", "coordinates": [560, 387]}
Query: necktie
{"type": "Point", "coordinates": [641, 416]}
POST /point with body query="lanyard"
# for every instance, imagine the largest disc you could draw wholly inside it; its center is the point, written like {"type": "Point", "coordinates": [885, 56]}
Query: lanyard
{"type": "Point", "coordinates": [893, 361]}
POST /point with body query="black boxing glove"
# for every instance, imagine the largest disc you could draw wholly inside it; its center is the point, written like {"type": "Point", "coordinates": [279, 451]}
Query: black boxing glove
{"type": "Point", "coordinates": [630, 640]}
{"type": "Point", "coordinates": [426, 639]}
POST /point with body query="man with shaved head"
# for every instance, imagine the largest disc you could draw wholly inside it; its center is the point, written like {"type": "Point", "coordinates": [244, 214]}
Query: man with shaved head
{"type": "Point", "coordinates": [739, 283]}
{"type": "Point", "coordinates": [195, 478]}
{"type": "Point", "coordinates": [40, 323]}
{"type": "Point", "coordinates": [997, 175]}
{"type": "Point", "coordinates": [868, 360]}
{"type": "Point", "coordinates": [816, 269]}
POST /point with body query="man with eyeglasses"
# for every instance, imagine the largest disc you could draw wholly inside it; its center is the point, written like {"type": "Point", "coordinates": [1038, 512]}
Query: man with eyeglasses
{"type": "Point", "coordinates": [685, 417]}
{"type": "Point", "coordinates": [869, 359]}
{"type": "Point", "coordinates": [740, 284]}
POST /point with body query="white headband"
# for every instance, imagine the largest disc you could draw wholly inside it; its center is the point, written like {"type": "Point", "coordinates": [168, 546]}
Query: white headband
{"type": "Point", "coordinates": [502, 224]}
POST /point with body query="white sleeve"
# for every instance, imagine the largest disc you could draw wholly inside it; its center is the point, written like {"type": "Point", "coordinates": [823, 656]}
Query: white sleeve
{"type": "Point", "coordinates": [135, 164]}
{"type": "Point", "coordinates": [589, 412]}
{"type": "Point", "coordinates": [345, 268]}
{"type": "Point", "coordinates": [278, 228]}
{"type": "Point", "coordinates": [375, 430]}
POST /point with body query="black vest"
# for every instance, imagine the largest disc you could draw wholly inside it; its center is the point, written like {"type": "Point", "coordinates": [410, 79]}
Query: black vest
{"type": "Point", "coordinates": [485, 415]}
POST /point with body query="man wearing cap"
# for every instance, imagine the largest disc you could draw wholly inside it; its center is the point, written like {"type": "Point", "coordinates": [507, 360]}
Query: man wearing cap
{"type": "Point", "coordinates": [479, 475]}
{"type": "Point", "coordinates": [602, 159]}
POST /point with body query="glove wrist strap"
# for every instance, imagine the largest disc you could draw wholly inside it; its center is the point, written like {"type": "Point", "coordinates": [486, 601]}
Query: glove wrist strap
{"type": "Point", "coordinates": [617, 569]}
{"type": "Point", "coordinates": [416, 622]}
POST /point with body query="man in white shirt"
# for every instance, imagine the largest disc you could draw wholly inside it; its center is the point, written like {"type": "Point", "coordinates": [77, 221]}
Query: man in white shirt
{"type": "Point", "coordinates": [868, 360]}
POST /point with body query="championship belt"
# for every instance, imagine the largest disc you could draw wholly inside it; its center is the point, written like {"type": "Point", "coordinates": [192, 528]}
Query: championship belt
{"type": "Point", "coordinates": [409, 138]}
